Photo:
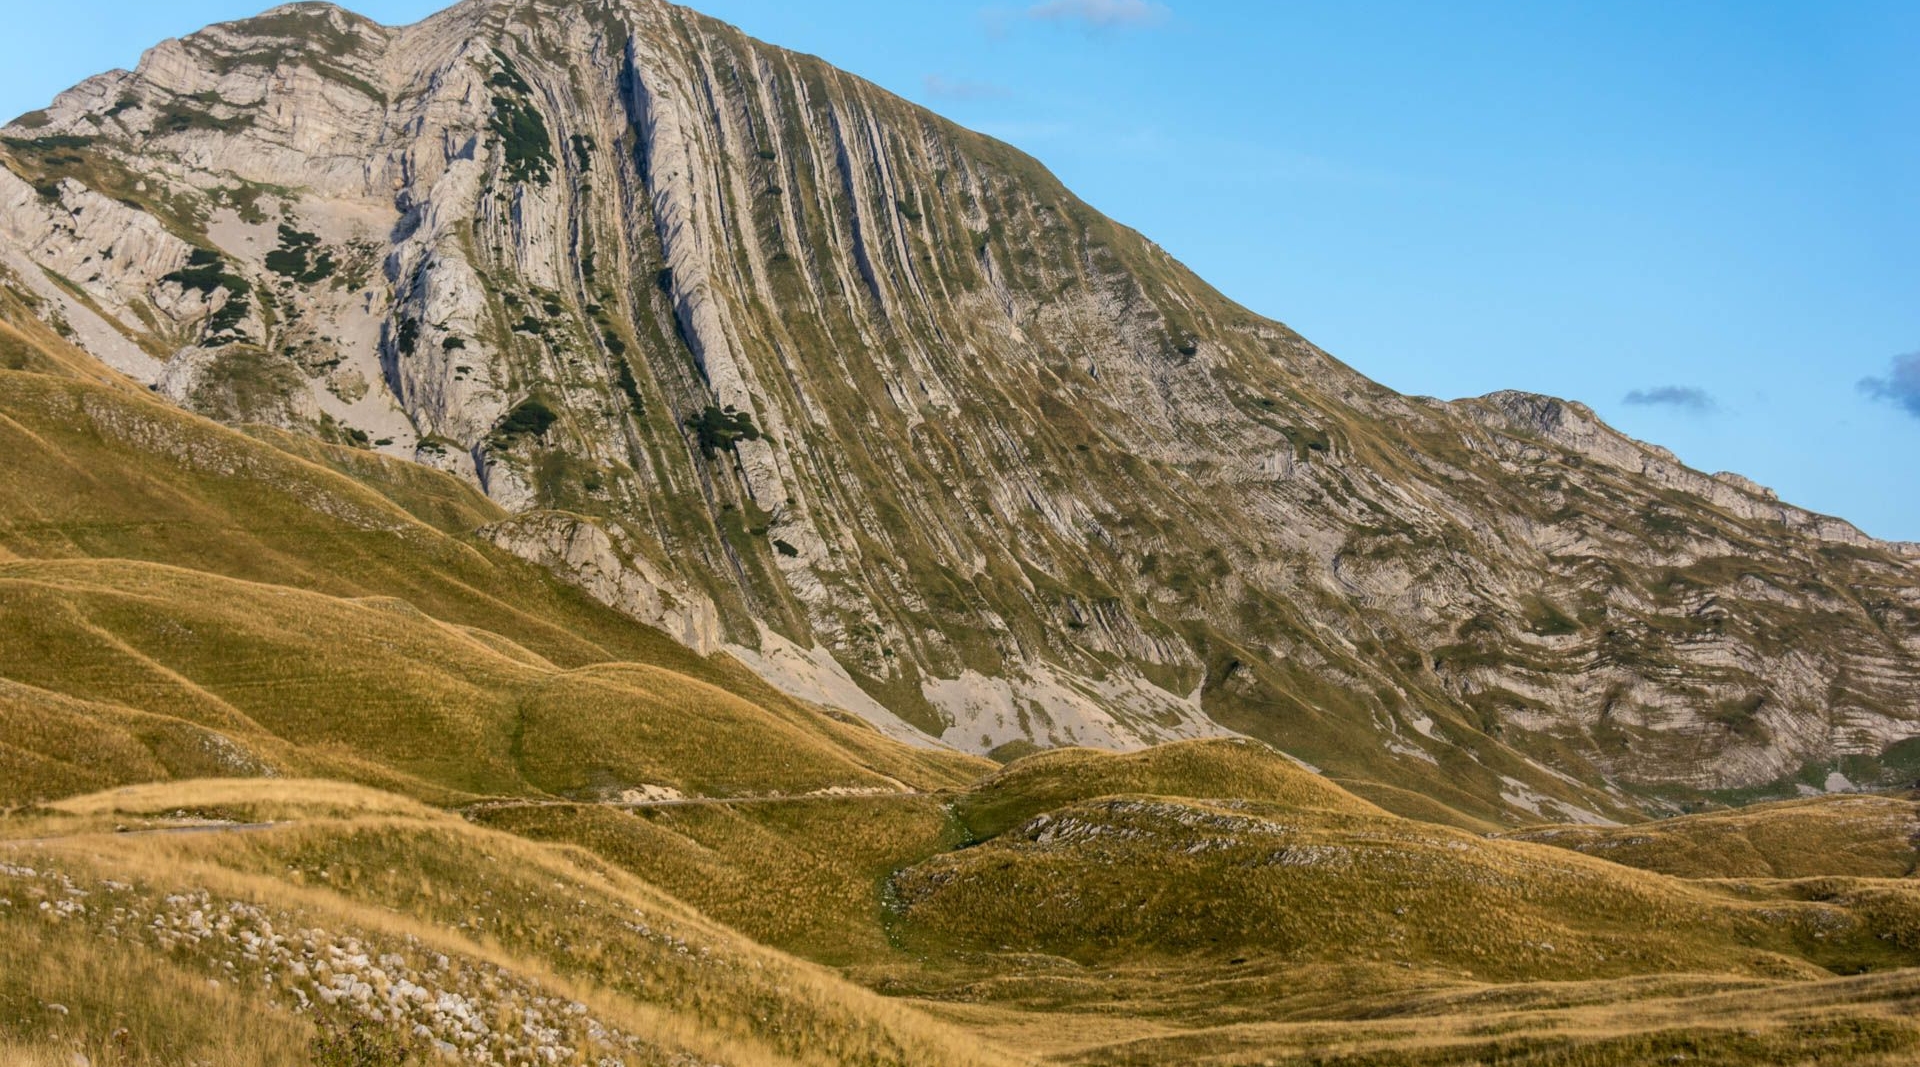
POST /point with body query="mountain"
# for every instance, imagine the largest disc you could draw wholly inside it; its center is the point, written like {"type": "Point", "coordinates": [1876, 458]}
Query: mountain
{"type": "Point", "coordinates": [782, 364]}
{"type": "Point", "coordinates": [777, 361]}
{"type": "Point", "coordinates": [300, 764]}
{"type": "Point", "coordinates": [516, 533]}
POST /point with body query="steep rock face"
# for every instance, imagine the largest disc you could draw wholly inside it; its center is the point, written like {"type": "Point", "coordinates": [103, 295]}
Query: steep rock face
{"type": "Point", "coordinates": [912, 418]}
{"type": "Point", "coordinates": [609, 567]}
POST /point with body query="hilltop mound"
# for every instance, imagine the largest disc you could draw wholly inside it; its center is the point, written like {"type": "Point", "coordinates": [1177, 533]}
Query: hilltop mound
{"type": "Point", "coordinates": [1843, 836]}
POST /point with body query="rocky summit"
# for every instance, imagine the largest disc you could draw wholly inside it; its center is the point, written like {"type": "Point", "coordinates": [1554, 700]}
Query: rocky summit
{"type": "Point", "coordinates": [788, 368]}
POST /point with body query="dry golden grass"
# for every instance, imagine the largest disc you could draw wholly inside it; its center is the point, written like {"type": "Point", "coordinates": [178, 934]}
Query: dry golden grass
{"type": "Point", "coordinates": [164, 565]}
{"type": "Point", "coordinates": [394, 871]}
{"type": "Point", "coordinates": [1229, 769]}
{"type": "Point", "coordinates": [235, 677]}
{"type": "Point", "coordinates": [804, 876]}
{"type": "Point", "coordinates": [1135, 879]}
{"type": "Point", "coordinates": [404, 879]}
{"type": "Point", "coordinates": [1862, 836]}
{"type": "Point", "coordinates": [74, 991]}
{"type": "Point", "coordinates": [1353, 1015]}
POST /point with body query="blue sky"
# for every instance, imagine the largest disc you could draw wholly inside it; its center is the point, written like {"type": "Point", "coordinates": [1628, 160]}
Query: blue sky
{"type": "Point", "coordinates": [1701, 218]}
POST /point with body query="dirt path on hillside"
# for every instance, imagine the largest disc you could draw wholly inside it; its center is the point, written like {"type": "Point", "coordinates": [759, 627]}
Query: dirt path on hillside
{"type": "Point", "coordinates": [686, 802]}
{"type": "Point", "coordinates": [471, 810]}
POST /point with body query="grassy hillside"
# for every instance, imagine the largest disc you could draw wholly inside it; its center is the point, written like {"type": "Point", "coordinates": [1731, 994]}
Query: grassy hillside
{"type": "Point", "coordinates": [1128, 879]}
{"type": "Point", "coordinates": [370, 918]}
{"type": "Point", "coordinates": [808, 877]}
{"type": "Point", "coordinates": [1237, 769]}
{"type": "Point", "coordinates": [512, 926]}
{"type": "Point", "coordinates": [1858, 836]}
{"type": "Point", "coordinates": [1113, 915]}
{"type": "Point", "coordinates": [304, 683]}
{"type": "Point", "coordinates": [164, 576]}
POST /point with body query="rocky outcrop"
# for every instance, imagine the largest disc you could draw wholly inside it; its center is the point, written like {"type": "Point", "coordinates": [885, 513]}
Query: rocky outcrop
{"type": "Point", "coordinates": [1576, 428]}
{"type": "Point", "coordinates": [607, 566]}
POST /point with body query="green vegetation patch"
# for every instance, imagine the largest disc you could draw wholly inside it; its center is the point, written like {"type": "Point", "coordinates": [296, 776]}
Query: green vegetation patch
{"type": "Point", "coordinates": [191, 113]}
{"type": "Point", "coordinates": [623, 375]}
{"type": "Point", "coordinates": [508, 76]}
{"type": "Point", "coordinates": [1306, 440]}
{"type": "Point", "coordinates": [1741, 718]}
{"type": "Point", "coordinates": [245, 384]}
{"type": "Point", "coordinates": [301, 258]}
{"type": "Point", "coordinates": [722, 430]}
{"type": "Point", "coordinates": [50, 159]}
{"type": "Point", "coordinates": [533, 417]}
{"type": "Point", "coordinates": [206, 271]}
{"type": "Point", "coordinates": [406, 337]}
{"type": "Point", "coordinates": [52, 143]}
{"type": "Point", "coordinates": [524, 138]}
{"type": "Point", "coordinates": [313, 28]}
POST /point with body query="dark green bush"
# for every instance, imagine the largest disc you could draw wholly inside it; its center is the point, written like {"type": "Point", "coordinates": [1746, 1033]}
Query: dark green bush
{"type": "Point", "coordinates": [300, 257]}
{"type": "Point", "coordinates": [406, 337]}
{"type": "Point", "coordinates": [533, 417]}
{"type": "Point", "coordinates": [524, 140]}
{"type": "Point", "coordinates": [205, 272]}
{"type": "Point", "coordinates": [624, 375]}
{"type": "Point", "coordinates": [722, 430]}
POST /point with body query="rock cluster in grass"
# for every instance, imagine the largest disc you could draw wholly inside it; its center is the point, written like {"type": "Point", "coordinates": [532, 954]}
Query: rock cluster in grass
{"type": "Point", "coordinates": [459, 1007]}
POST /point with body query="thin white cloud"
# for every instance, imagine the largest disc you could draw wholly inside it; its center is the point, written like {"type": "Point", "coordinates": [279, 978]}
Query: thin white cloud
{"type": "Point", "coordinates": [1024, 132]}
{"type": "Point", "coordinates": [1681, 397]}
{"type": "Point", "coordinates": [1101, 14]}
{"type": "Point", "coordinates": [942, 87]}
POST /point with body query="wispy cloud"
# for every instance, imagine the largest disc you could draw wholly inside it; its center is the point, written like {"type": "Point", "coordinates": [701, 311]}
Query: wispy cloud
{"type": "Point", "coordinates": [1020, 133]}
{"type": "Point", "coordinates": [1901, 385]}
{"type": "Point", "coordinates": [944, 88]}
{"type": "Point", "coordinates": [1682, 397]}
{"type": "Point", "coordinates": [1101, 14]}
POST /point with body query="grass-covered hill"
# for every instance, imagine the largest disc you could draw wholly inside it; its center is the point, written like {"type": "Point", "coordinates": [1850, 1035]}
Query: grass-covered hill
{"type": "Point", "coordinates": [366, 929]}
{"type": "Point", "coordinates": [178, 599]}
{"type": "Point", "coordinates": [1858, 836]}
{"type": "Point", "coordinates": [1215, 903]}
{"type": "Point", "coordinates": [1130, 929]}
{"type": "Point", "coordinates": [1126, 879]}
